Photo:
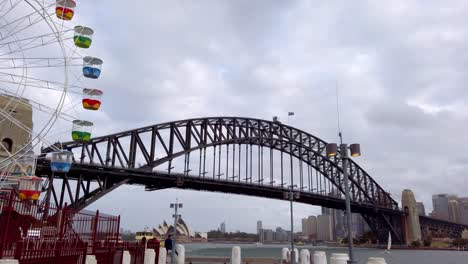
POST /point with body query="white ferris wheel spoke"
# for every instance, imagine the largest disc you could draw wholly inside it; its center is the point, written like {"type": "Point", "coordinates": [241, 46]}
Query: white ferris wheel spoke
{"type": "Point", "coordinates": [24, 33]}
{"type": "Point", "coordinates": [22, 49]}
{"type": "Point", "coordinates": [38, 83]}
{"type": "Point", "coordinates": [34, 40]}
{"type": "Point", "coordinates": [15, 63]}
{"type": "Point", "coordinates": [12, 6]}
{"type": "Point", "coordinates": [30, 22]}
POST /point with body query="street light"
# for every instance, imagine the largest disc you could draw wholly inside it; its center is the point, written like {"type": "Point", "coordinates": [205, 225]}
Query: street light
{"type": "Point", "coordinates": [355, 150]}
{"type": "Point", "coordinates": [176, 216]}
{"type": "Point", "coordinates": [291, 196]}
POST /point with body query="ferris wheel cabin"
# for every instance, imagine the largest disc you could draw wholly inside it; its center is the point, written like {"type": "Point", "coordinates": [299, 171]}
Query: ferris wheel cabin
{"type": "Point", "coordinates": [29, 188]}
{"type": "Point", "coordinates": [64, 9]}
{"type": "Point", "coordinates": [61, 161]}
{"type": "Point", "coordinates": [92, 67]}
{"type": "Point", "coordinates": [83, 37]}
{"type": "Point", "coordinates": [92, 99]}
{"type": "Point", "coordinates": [81, 131]}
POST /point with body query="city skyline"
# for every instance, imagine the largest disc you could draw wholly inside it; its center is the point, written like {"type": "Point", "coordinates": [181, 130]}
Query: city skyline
{"type": "Point", "coordinates": [299, 219]}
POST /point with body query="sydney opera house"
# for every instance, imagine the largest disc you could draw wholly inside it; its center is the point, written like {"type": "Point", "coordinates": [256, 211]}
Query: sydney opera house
{"type": "Point", "coordinates": [184, 233]}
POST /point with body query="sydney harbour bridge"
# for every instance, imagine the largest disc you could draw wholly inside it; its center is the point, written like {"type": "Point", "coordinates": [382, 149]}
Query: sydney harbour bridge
{"type": "Point", "coordinates": [231, 155]}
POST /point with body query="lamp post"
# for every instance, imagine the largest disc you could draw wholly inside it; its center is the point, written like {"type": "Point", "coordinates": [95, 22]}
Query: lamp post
{"type": "Point", "coordinates": [290, 195]}
{"type": "Point", "coordinates": [176, 216]}
{"type": "Point", "coordinates": [355, 149]}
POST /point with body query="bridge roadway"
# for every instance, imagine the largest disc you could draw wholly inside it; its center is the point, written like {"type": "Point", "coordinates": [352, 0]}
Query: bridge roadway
{"type": "Point", "coordinates": [108, 177]}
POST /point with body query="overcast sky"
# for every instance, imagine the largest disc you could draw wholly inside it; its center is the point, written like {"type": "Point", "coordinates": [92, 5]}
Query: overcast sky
{"type": "Point", "coordinates": [400, 67]}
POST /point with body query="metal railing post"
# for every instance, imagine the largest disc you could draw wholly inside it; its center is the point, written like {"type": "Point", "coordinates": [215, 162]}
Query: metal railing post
{"type": "Point", "coordinates": [96, 219]}
{"type": "Point", "coordinates": [7, 226]}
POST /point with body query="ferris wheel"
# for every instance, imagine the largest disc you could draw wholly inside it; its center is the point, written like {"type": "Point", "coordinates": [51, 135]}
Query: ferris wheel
{"type": "Point", "coordinates": [45, 80]}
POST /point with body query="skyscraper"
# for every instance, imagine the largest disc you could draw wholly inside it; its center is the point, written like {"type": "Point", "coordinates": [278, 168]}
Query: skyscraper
{"type": "Point", "coordinates": [309, 227]}
{"type": "Point", "coordinates": [324, 228]}
{"type": "Point", "coordinates": [336, 218]}
{"type": "Point", "coordinates": [222, 228]}
{"type": "Point", "coordinates": [259, 227]}
{"type": "Point", "coordinates": [453, 210]}
{"type": "Point", "coordinates": [421, 209]}
{"type": "Point", "coordinates": [463, 210]}
{"type": "Point", "coordinates": [312, 227]}
{"type": "Point", "coordinates": [260, 233]}
{"type": "Point", "coordinates": [305, 227]}
{"type": "Point", "coordinates": [440, 203]}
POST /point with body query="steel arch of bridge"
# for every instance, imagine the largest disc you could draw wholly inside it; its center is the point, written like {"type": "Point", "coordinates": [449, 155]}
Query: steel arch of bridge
{"type": "Point", "coordinates": [140, 156]}
{"type": "Point", "coordinates": [187, 136]}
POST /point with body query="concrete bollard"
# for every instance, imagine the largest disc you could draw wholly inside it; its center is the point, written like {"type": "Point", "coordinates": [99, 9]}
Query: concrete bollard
{"type": "Point", "coordinates": [90, 259]}
{"type": "Point", "coordinates": [180, 256]}
{"type": "Point", "coordinates": [150, 255]}
{"type": "Point", "coordinates": [305, 256]}
{"type": "Point", "coordinates": [296, 255]}
{"type": "Point", "coordinates": [285, 255]}
{"type": "Point", "coordinates": [162, 255]}
{"type": "Point", "coordinates": [9, 261]}
{"type": "Point", "coordinates": [376, 261]}
{"type": "Point", "coordinates": [126, 257]}
{"type": "Point", "coordinates": [236, 255]}
{"type": "Point", "coordinates": [339, 258]}
{"type": "Point", "coordinates": [320, 257]}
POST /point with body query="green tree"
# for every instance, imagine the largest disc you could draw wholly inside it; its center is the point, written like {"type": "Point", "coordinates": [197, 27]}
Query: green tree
{"type": "Point", "coordinates": [460, 242]}
{"type": "Point", "coordinates": [427, 242]}
{"type": "Point", "coordinates": [416, 244]}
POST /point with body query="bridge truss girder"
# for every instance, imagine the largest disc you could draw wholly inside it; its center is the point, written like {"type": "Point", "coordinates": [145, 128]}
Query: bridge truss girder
{"type": "Point", "coordinates": [161, 144]}
{"type": "Point", "coordinates": [225, 151]}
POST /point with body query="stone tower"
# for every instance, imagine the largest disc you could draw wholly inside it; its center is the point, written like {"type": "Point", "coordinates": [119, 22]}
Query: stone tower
{"type": "Point", "coordinates": [13, 137]}
{"type": "Point", "coordinates": [413, 228]}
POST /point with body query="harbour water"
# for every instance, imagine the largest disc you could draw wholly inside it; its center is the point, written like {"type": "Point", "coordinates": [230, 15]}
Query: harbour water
{"type": "Point", "coordinates": [274, 251]}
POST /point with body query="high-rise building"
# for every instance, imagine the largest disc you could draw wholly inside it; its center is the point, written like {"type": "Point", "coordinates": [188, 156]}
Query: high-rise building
{"type": "Point", "coordinates": [337, 220]}
{"type": "Point", "coordinates": [268, 235]}
{"type": "Point", "coordinates": [463, 210]}
{"type": "Point", "coordinates": [421, 209]}
{"type": "Point", "coordinates": [281, 234]}
{"type": "Point", "coordinates": [324, 228]}
{"type": "Point", "coordinates": [222, 227]}
{"type": "Point", "coordinates": [454, 213]}
{"type": "Point", "coordinates": [259, 227]}
{"type": "Point", "coordinates": [309, 227]}
{"type": "Point", "coordinates": [359, 225]}
{"type": "Point", "coordinates": [261, 238]}
{"type": "Point", "coordinates": [312, 227]}
{"type": "Point", "coordinates": [440, 203]}
{"type": "Point", "coordinates": [305, 227]}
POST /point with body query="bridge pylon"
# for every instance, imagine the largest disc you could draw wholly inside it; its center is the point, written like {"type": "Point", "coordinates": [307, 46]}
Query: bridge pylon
{"type": "Point", "coordinates": [411, 220]}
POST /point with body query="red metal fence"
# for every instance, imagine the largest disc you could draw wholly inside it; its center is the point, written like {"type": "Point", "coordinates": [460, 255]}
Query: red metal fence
{"type": "Point", "coordinates": [36, 233]}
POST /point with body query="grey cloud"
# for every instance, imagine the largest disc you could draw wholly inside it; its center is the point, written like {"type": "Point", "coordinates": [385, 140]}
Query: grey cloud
{"type": "Point", "coordinates": [180, 59]}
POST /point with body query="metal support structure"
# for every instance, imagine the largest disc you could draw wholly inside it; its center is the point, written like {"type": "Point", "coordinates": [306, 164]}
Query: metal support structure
{"type": "Point", "coordinates": [176, 216]}
{"type": "Point", "coordinates": [158, 156]}
{"type": "Point", "coordinates": [291, 198]}
{"type": "Point", "coordinates": [344, 157]}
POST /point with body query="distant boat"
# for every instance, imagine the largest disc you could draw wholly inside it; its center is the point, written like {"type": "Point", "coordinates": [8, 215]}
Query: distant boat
{"type": "Point", "coordinates": [389, 245]}
{"type": "Point", "coordinates": [258, 244]}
